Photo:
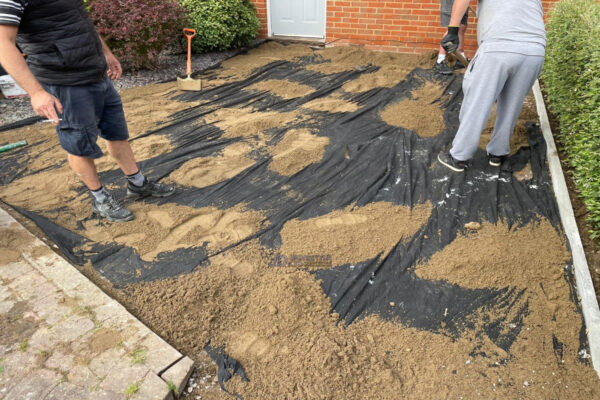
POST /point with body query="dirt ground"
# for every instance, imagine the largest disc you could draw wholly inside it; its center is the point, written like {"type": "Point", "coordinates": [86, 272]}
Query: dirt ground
{"type": "Point", "coordinates": [278, 322]}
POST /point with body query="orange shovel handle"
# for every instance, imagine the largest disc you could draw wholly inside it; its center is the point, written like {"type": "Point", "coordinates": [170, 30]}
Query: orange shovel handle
{"type": "Point", "coordinates": [189, 34]}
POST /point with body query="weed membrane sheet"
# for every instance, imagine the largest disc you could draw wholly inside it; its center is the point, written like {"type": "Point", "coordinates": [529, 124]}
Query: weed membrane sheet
{"type": "Point", "coordinates": [367, 160]}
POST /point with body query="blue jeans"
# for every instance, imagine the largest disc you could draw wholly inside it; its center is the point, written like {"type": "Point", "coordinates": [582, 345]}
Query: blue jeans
{"type": "Point", "coordinates": [89, 111]}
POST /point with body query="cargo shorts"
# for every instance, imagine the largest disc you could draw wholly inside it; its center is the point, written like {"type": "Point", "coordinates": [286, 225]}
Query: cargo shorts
{"type": "Point", "coordinates": [446, 12]}
{"type": "Point", "coordinates": [89, 111]}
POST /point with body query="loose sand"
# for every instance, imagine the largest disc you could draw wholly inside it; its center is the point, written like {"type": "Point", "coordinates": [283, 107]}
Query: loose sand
{"type": "Point", "coordinates": [277, 321]}
{"type": "Point", "coordinates": [409, 113]}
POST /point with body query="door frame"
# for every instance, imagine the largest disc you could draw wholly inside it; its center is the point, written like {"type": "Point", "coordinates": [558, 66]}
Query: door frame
{"type": "Point", "coordinates": [313, 38]}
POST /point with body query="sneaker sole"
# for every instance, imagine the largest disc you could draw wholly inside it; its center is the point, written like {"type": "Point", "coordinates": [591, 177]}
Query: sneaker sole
{"type": "Point", "coordinates": [98, 213]}
{"type": "Point", "coordinates": [135, 196]}
{"type": "Point", "coordinates": [450, 166]}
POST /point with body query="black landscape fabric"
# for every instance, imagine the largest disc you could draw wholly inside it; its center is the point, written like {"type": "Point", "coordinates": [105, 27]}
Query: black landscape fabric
{"type": "Point", "coordinates": [366, 161]}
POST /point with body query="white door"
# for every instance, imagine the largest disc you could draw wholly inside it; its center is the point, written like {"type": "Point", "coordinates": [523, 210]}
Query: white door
{"type": "Point", "coordinates": [304, 18]}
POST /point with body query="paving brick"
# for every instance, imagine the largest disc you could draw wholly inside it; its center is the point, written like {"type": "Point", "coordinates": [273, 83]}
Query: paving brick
{"type": "Point", "coordinates": [60, 361]}
{"type": "Point", "coordinates": [6, 305]}
{"type": "Point", "coordinates": [101, 394]}
{"type": "Point", "coordinates": [14, 270]}
{"type": "Point", "coordinates": [88, 295]}
{"type": "Point", "coordinates": [107, 310]}
{"type": "Point", "coordinates": [103, 363]}
{"type": "Point", "coordinates": [36, 385]}
{"type": "Point", "coordinates": [5, 292]}
{"type": "Point", "coordinates": [68, 391]}
{"type": "Point", "coordinates": [118, 379]}
{"type": "Point", "coordinates": [25, 285]}
{"type": "Point", "coordinates": [160, 355]}
{"type": "Point", "coordinates": [53, 309]}
{"type": "Point", "coordinates": [152, 388]}
{"type": "Point", "coordinates": [179, 373]}
{"type": "Point", "coordinates": [43, 339]}
{"type": "Point", "coordinates": [82, 376]}
{"type": "Point", "coordinates": [73, 327]}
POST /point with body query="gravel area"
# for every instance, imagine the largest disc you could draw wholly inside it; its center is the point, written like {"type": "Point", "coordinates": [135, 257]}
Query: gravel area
{"type": "Point", "coordinates": [171, 66]}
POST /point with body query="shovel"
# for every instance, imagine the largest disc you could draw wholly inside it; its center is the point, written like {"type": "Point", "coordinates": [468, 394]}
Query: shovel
{"type": "Point", "coordinates": [189, 83]}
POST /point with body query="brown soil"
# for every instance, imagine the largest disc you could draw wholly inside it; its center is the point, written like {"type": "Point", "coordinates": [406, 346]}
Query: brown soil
{"type": "Point", "coordinates": [354, 234]}
{"type": "Point", "coordinates": [409, 113]}
{"type": "Point", "coordinates": [297, 150]}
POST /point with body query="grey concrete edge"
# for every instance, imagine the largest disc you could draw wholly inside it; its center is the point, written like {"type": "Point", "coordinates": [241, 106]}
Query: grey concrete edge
{"type": "Point", "coordinates": [583, 279]}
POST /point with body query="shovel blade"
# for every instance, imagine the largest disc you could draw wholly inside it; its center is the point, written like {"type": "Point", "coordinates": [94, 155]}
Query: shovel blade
{"type": "Point", "coordinates": [189, 84]}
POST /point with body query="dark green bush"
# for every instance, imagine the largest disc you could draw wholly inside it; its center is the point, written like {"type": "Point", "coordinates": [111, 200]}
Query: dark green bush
{"type": "Point", "coordinates": [221, 24]}
{"type": "Point", "coordinates": [572, 83]}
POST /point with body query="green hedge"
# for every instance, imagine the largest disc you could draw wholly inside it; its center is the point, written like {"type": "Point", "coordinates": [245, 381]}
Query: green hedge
{"type": "Point", "coordinates": [571, 79]}
{"type": "Point", "coordinates": [221, 24]}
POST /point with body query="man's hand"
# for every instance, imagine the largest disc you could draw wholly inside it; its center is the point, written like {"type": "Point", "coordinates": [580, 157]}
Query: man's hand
{"type": "Point", "coordinates": [114, 66]}
{"type": "Point", "coordinates": [46, 105]}
{"type": "Point", "coordinates": [450, 41]}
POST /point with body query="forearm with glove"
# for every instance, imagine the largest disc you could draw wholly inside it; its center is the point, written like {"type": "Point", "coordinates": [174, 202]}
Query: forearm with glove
{"type": "Point", "coordinates": [450, 42]}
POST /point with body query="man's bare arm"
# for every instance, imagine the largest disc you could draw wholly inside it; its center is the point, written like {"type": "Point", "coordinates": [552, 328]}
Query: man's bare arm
{"type": "Point", "coordinates": [114, 66]}
{"type": "Point", "coordinates": [44, 104]}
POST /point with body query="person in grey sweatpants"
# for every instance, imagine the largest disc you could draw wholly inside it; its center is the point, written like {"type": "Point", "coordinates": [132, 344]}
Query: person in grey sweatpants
{"type": "Point", "coordinates": [512, 42]}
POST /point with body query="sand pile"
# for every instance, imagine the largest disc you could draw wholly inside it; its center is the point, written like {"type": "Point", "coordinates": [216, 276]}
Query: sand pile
{"type": "Point", "coordinates": [276, 322]}
{"type": "Point", "coordinates": [354, 234]}
{"type": "Point", "coordinates": [282, 88]}
{"type": "Point", "coordinates": [409, 113]}
{"type": "Point", "coordinates": [297, 150]}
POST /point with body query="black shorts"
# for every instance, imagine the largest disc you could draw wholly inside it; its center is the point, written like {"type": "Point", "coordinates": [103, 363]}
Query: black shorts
{"type": "Point", "coordinates": [89, 111]}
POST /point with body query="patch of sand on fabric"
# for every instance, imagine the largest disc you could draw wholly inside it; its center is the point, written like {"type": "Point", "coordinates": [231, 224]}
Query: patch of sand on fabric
{"type": "Point", "coordinates": [354, 234]}
{"type": "Point", "coordinates": [493, 257]}
{"type": "Point", "coordinates": [277, 323]}
{"type": "Point", "coordinates": [144, 148]}
{"type": "Point", "coordinates": [242, 66]}
{"type": "Point", "coordinates": [331, 104]}
{"type": "Point", "coordinates": [282, 88]}
{"type": "Point", "coordinates": [297, 150]}
{"type": "Point", "coordinates": [519, 135]}
{"type": "Point", "coordinates": [149, 107]}
{"type": "Point", "coordinates": [393, 68]}
{"type": "Point", "coordinates": [250, 124]}
{"type": "Point", "coordinates": [45, 190]}
{"type": "Point", "coordinates": [409, 113]}
{"type": "Point", "coordinates": [165, 228]}
{"type": "Point", "coordinates": [206, 171]}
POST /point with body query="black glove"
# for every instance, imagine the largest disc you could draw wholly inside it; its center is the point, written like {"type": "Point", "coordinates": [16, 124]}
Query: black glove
{"type": "Point", "coordinates": [450, 41]}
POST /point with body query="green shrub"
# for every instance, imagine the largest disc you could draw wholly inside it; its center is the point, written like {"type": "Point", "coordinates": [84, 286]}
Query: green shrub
{"type": "Point", "coordinates": [221, 24]}
{"type": "Point", "coordinates": [572, 83]}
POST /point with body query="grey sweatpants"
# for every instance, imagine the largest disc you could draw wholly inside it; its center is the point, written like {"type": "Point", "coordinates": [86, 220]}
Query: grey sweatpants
{"type": "Point", "coordinates": [492, 77]}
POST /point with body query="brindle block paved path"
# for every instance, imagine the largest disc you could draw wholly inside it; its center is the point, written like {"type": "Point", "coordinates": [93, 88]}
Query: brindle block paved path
{"type": "Point", "coordinates": [61, 337]}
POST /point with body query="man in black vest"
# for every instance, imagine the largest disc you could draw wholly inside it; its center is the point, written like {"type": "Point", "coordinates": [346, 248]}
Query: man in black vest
{"type": "Point", "coordinates": [68, 76]}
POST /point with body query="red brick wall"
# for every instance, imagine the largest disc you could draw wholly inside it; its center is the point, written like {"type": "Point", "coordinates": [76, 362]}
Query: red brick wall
{"type": "Point", "coordinates": [406, 26]}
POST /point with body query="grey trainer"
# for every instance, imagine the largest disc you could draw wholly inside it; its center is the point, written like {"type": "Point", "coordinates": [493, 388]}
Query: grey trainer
{"type": "Point", "coordinates": [148, 189]}
{"type": "Point", "coordinates": [111, 209]}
